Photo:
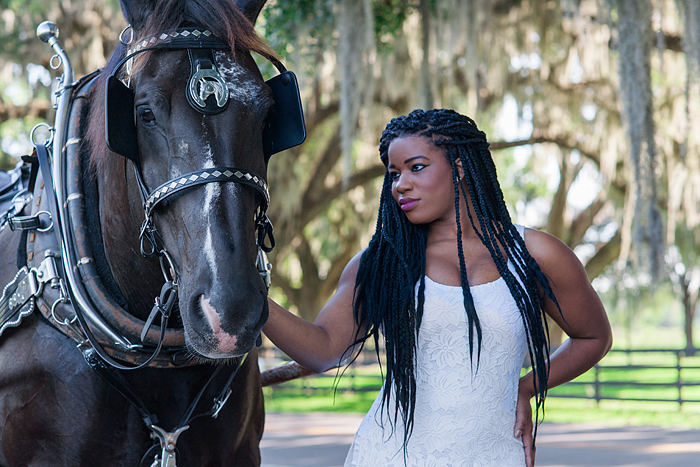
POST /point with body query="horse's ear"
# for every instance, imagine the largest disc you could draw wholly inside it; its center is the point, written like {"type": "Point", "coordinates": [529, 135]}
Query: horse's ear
{"type": "Point", "coordinates": [251, 8]}
{"type": "Point", "coordinates": [136, 11]}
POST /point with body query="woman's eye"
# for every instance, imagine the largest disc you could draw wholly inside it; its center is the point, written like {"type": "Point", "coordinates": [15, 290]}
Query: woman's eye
{"type": "Point", "coordinates": [418, 167]}
{"type": "Point", "coordinates": [393, 175]}
{"type": "Point", "coordinates": [147, 117]}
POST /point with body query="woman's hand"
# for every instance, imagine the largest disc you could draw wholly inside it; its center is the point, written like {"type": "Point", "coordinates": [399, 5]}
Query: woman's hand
{"type": "Point", "coordinates": [322, 344]}
{"type": "Point", "coordinates": [523, 421]}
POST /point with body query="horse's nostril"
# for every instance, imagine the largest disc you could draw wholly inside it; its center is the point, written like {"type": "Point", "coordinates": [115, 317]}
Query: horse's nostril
{"type": "Point", "coordinates": [227, 342]}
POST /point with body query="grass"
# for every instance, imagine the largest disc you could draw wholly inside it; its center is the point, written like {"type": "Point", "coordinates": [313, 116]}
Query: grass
{"type": "Point", "coordinates": [357, 389]}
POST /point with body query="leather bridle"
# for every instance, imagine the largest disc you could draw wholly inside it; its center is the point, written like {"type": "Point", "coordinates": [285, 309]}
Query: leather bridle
{"type": "Point", "coordinates": [151, 241]}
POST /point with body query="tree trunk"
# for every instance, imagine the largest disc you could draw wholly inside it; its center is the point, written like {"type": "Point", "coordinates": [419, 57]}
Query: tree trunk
{"type": "Point", "coordinates": [690, 300]}
{"type": "Point", "coordinates": [426, 92]}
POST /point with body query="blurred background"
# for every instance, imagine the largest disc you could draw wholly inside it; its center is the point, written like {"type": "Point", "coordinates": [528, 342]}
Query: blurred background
{"type": "Point", "coordinates": [592, 109]}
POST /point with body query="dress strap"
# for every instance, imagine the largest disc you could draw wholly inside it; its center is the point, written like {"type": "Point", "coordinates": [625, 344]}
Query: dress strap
{"type": "Point", "coordinates": [521, 230]}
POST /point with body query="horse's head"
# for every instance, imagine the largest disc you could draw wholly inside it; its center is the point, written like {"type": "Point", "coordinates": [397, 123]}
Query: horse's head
{"type": "Point", "coordinates": [199, 110]}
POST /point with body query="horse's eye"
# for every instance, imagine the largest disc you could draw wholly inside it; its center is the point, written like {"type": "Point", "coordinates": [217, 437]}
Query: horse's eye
{"type": "Point", "coordinates": [146, 115]}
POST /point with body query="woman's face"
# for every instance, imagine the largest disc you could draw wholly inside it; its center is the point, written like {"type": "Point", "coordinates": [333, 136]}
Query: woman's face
{"type": "Point", "coordinates": [421, 180]}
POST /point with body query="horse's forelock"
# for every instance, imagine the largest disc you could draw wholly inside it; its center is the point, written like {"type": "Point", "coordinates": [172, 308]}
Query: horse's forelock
{"type": "Point", "coordinates": [222, 17]}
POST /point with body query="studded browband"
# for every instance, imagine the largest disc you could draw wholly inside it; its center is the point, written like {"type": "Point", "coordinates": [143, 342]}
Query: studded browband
{"type": "Point", "coordinates": [199, 177]}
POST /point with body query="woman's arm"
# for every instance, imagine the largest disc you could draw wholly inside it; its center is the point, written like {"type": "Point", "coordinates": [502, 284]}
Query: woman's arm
{"type": "Point", "coordinates": [582, 317]}
{"type": "Point", "coordinates": [322, 344]}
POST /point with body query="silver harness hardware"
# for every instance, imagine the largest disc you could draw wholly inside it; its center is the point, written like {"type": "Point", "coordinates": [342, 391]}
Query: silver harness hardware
{"type": "Point", "coordinates": [18, 297]}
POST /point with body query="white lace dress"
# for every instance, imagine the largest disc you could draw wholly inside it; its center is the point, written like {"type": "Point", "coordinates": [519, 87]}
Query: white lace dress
{"type": "Point", "coordinates": [463, 417]}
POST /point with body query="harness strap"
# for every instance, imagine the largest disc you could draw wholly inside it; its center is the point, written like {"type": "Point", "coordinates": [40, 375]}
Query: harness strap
{"type": "Point", "coordinates": [200, 177]}
{"type": "Point", "coordinates": [219, 401]}
{"type": "Point", "coordinates": [118, 382]}
{"type": "Point", "coordinates": [99, 350]}
{"type": "Point", "coordinates": [115, 379]}
{"type": "Point", "coordinates": [32, 222]}
{"type": "Point", "coordinates": [33, 162]}
{"type": "Point", "coordinates": [43, 155]}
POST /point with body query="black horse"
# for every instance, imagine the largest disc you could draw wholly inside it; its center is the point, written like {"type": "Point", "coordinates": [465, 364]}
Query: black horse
{"type": "Point", "coordinates": [54, 409]}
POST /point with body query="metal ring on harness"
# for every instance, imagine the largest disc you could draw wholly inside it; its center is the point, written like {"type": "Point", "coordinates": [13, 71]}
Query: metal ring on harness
{"type": "Point", "coordinates": [49, 140]}
{"type": "Point", "coordinates": [57, 65]}
{"type": "Point", "coordinates": [65, 321]}
{"type": "Point", "coordinates": [50, 226]}
{"type": "Point", "coordinates": [131, 36]}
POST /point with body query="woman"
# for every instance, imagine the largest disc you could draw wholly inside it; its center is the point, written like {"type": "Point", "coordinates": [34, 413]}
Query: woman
{"type": "Point", "coordinates": [458, 292]}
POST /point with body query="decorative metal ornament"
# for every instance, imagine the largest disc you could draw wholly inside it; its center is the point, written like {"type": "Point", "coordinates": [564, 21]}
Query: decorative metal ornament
{"type": "Point", "coordinates": [204, 82]}
{"type": "Point", "coordinates": [207, 82]}
{"type": "Point", "coordinates": [16, 300]}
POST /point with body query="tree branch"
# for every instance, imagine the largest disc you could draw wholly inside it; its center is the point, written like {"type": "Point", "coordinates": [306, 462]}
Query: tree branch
{"type": "Point", "coordinates": [328, 160]}
{"type": "Point", "coordinates": [584, 220]}
{"type": "Point", "coordinates": [541, 139]}
{"type": "Point", "coordinates": [34, 109]}
{"type": "Point", "coordinates": [604, 256]}
{"type": "Point", "coordinates": [309, 267]}
{"type": "Point", "coordinates": [313, 206]}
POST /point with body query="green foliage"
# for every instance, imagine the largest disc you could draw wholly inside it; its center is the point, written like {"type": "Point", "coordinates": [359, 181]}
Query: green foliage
{"type": "Point", "coordinates": [306, 28]}
{"type": "Point", "coordinates": [302, 27]}
{"type": "Point", "coordinates": [18, 35]}
{"type": "Point", "coordinates": [389, 16]}
{"type": "Point", "coordinates": [14, 135]}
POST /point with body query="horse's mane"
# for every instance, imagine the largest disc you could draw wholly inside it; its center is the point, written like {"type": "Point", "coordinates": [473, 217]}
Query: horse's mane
{"type": "Point", "coordinates": [222, 17]}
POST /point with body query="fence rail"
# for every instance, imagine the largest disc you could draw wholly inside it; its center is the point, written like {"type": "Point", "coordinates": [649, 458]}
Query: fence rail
{"type": "Point", "coordinates": [670, 375]}
{"type": "Point", "coordinates": [642, 375]}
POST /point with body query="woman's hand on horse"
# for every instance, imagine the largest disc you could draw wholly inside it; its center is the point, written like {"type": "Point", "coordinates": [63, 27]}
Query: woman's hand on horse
{"type": "Point", "coordinates": [324, 343]}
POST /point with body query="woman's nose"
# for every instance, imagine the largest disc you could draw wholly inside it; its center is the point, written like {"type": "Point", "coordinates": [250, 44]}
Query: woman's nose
{"type": "Point", "coordinates": [402, 183]}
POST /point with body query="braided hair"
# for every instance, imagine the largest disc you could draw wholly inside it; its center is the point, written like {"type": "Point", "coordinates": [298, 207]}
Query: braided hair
{"type": "Point", "coordinates": [394, 262]}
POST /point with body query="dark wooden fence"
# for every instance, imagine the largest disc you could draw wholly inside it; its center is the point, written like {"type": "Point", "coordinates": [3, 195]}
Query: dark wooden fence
{"type": "Point", "coordinates": [643, 375]}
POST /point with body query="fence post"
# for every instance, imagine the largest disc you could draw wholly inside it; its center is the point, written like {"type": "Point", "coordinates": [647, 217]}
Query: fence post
{"type": "Point", "coordinates": [597, 386]}
{"type": "Point", "coordinates": [679, 381]}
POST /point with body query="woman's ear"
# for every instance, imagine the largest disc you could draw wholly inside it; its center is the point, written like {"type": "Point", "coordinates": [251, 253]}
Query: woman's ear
{"type": "Point", "coordinates": [460, 168]}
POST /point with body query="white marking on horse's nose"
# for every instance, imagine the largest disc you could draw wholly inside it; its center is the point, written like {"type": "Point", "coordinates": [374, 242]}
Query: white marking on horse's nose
{"type": "Point", "coordinates": [212, 190]}
{"type": "Point", "coordinates": [227, 342]}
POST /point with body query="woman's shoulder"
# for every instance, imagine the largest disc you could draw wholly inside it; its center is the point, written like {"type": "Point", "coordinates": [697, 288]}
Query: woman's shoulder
{"type": "Point", "coordinates": [551, 254]}
{"type": "Point", "coordinates": [349, 274]}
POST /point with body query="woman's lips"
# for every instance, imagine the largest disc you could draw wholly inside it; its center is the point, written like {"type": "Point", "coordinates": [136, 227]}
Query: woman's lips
{"type": "Point", "coordinates": [407, 203]}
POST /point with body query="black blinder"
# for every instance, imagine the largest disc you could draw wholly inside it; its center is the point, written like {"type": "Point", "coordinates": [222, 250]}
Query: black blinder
{"type": "Point", "coordinates": [120, 124]}
{"type": "Point", "coordinates": [285, 122]}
